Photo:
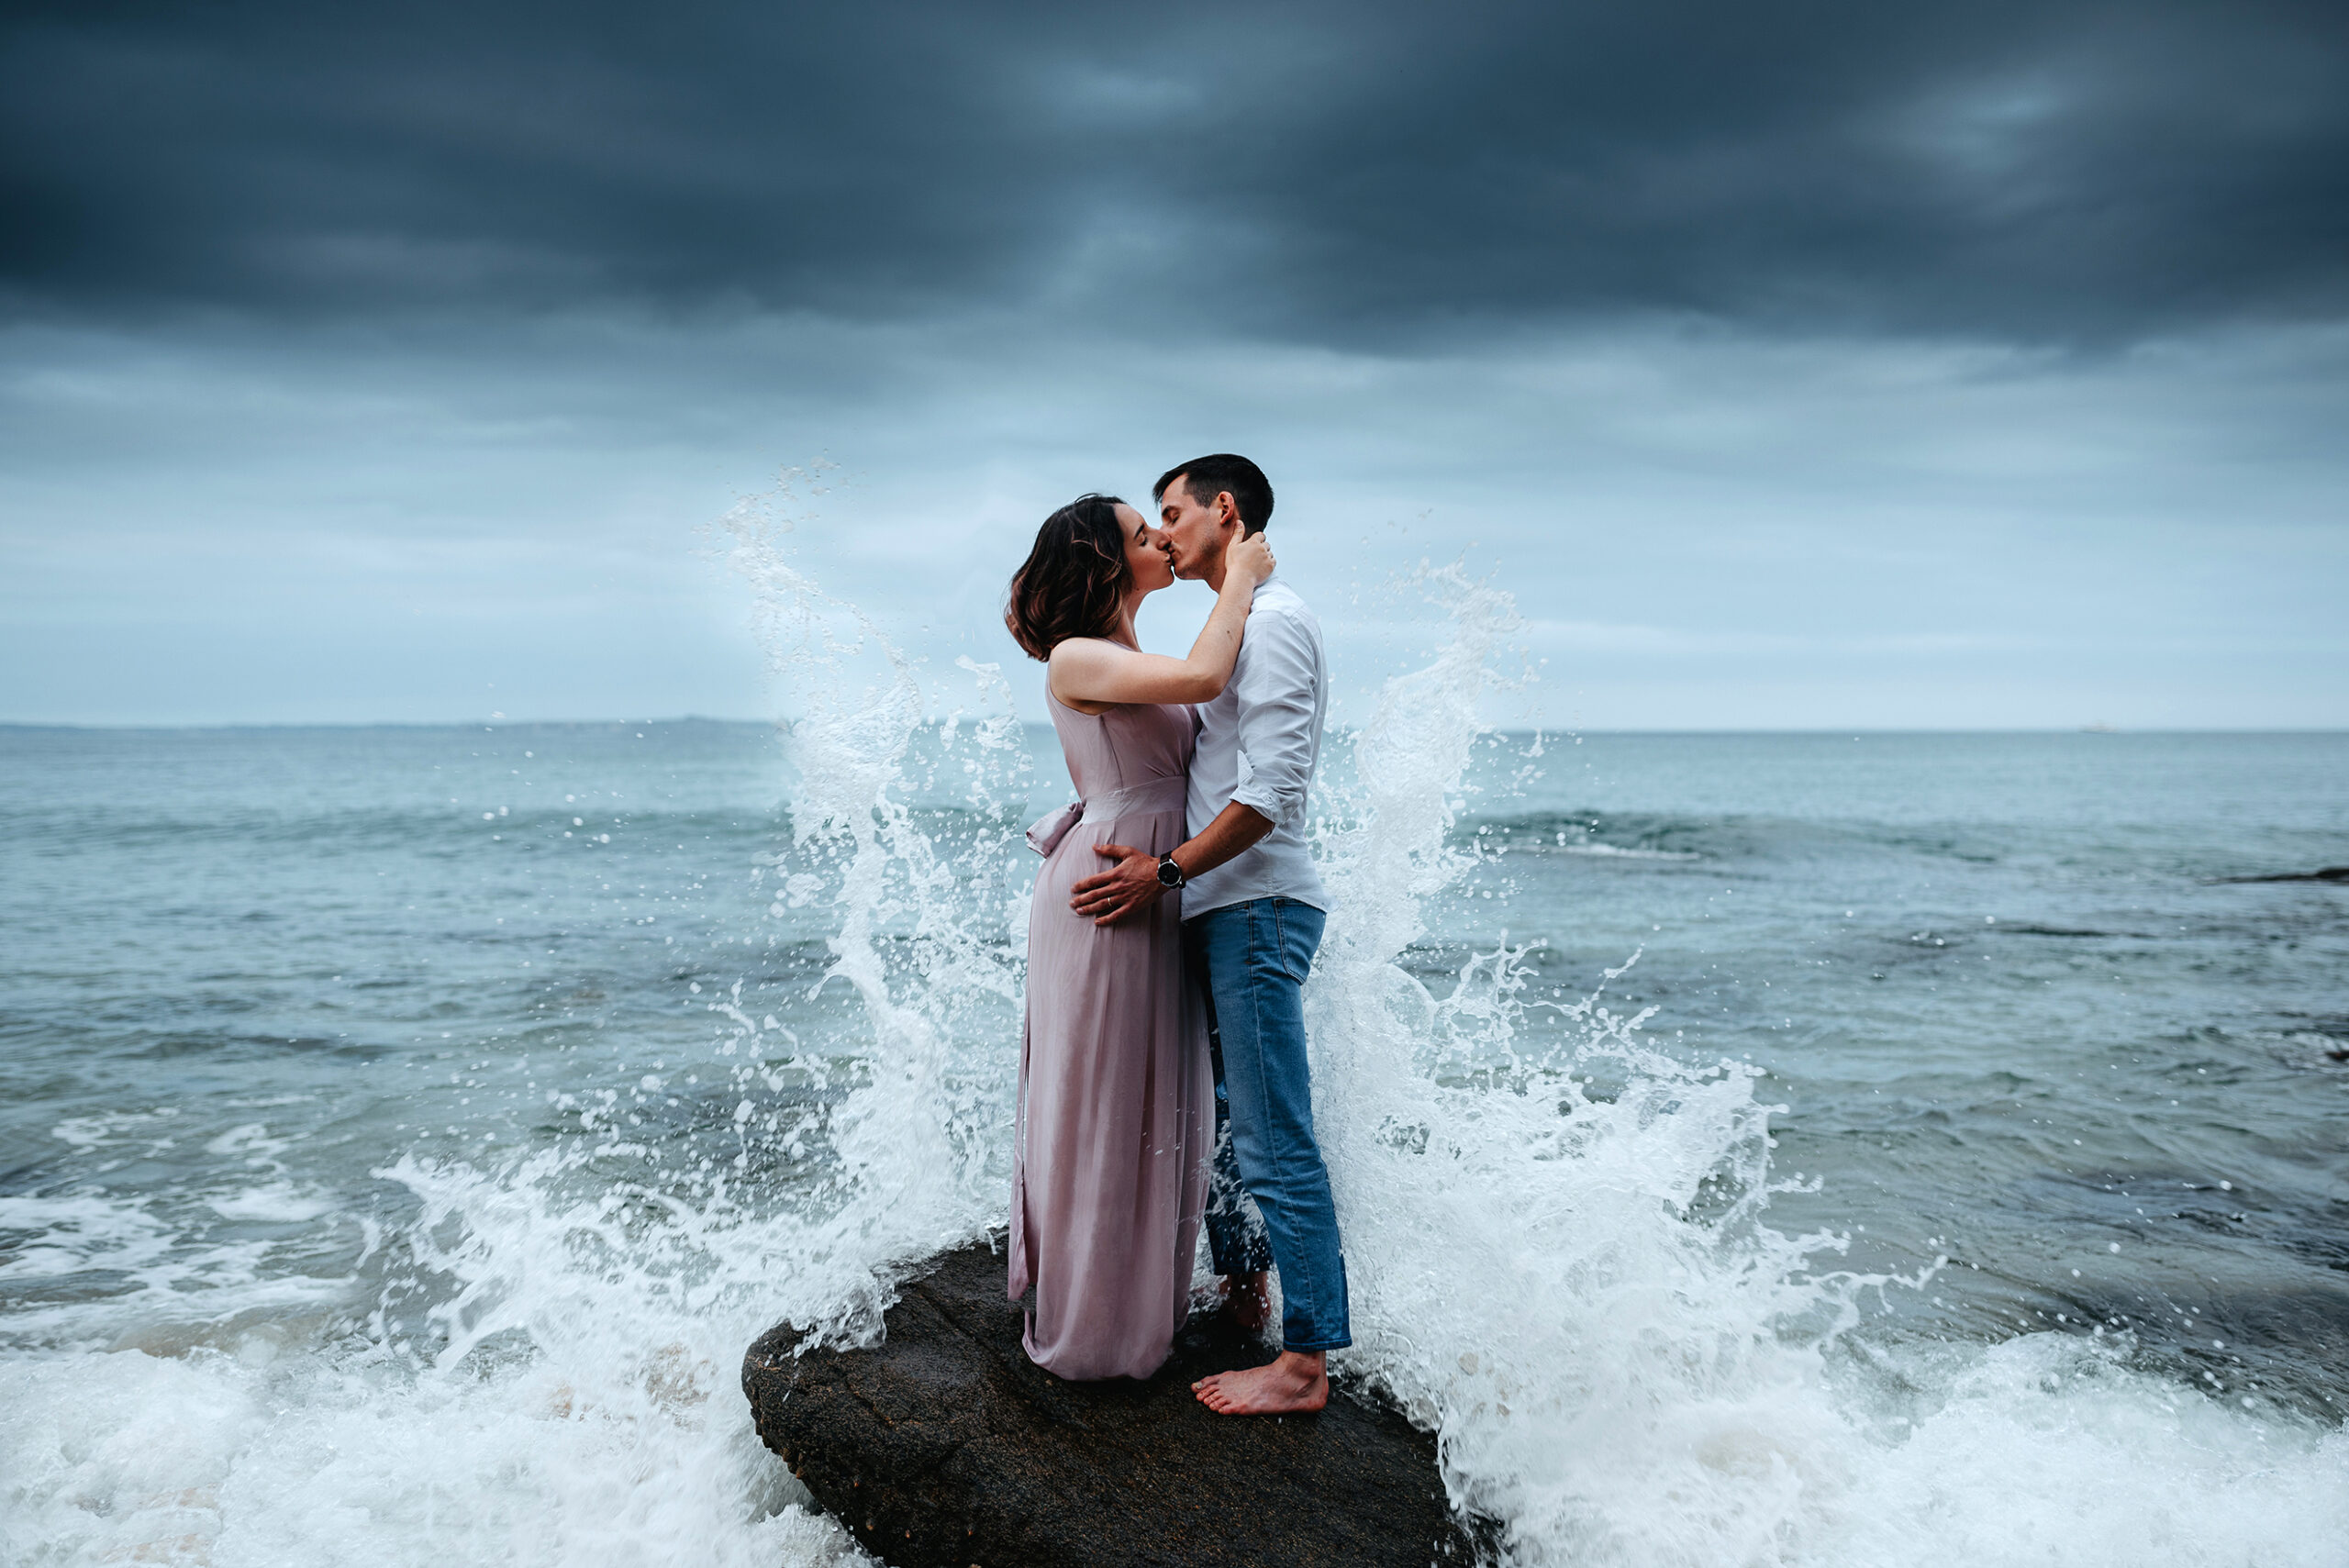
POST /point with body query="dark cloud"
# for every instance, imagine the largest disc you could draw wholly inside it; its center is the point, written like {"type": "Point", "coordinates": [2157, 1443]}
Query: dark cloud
{"type": "Point", "coordinates": [1352, 173]}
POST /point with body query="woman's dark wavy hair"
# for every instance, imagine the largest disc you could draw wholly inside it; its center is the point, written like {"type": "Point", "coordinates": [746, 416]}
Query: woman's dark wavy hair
{"type": "Point", "coordinates": [1074, 579]}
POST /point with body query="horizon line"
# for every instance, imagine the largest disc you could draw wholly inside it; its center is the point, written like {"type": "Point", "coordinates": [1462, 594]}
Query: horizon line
{"type": "Point", "coordinates": [104, 727]}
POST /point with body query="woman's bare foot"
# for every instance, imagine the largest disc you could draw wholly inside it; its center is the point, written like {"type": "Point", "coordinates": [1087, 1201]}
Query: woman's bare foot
{"type": "Point", "coordinates": [1297, 1381]}
{"type": "Point", "coordinates": [1248, 1300]}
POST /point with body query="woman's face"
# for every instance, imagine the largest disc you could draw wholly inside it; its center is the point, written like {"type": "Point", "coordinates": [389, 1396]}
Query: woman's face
{"type": "Point", "coordinates": [1145, 553]}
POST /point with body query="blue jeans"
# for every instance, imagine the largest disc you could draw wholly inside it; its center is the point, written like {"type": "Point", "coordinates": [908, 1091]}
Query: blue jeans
{"type": "Point", "coordinates": [1252, 960]}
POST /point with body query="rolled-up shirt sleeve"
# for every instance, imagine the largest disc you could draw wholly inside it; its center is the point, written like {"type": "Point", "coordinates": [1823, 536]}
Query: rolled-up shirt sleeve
{"type": "Point", "coordinates": [1275, 683]}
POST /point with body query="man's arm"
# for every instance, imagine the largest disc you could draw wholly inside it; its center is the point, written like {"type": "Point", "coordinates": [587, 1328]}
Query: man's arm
{"type": "Point", "coordinates": [1276, 717]}
{"type": "Point", "coordinates": [1132, 884]}
{"type": "Point", "coordinates": [1276, 690]}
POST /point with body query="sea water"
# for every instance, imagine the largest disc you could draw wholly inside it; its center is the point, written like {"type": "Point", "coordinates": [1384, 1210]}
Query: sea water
{"type": "Point", "coordinates": [1819, 1149]}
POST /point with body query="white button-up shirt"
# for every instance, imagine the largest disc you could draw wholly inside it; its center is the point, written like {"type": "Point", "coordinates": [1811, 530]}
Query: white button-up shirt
{"type": "Point", "coordinates": [1258, 743]}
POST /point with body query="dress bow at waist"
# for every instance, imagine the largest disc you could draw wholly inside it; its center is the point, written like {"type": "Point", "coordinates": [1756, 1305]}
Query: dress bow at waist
{"type": "Point", "coordinates": [1164, 794]}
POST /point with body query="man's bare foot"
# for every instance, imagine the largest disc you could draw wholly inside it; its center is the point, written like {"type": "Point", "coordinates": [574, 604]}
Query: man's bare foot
{"type": "Point", "coordinates": [1248, 1300]}
{"type": "Point", "coordinates": [1297, 1381]}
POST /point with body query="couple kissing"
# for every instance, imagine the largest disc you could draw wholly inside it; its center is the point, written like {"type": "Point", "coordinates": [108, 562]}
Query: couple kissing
{"type": "Point", "coordinates": [1163, 1074]}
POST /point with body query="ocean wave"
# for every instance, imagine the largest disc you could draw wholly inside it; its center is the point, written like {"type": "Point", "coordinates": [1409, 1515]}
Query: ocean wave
{"type": "Point", "coordinates": [1616, 852]}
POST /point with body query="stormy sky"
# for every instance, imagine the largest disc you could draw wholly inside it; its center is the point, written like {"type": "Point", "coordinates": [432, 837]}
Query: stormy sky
{"type": "Point", "coordinates": [1792, 366]}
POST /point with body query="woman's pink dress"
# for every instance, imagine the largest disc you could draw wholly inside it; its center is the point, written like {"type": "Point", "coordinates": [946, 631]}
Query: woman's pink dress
{"type": "Point", "coordinates": [1110, 1163]}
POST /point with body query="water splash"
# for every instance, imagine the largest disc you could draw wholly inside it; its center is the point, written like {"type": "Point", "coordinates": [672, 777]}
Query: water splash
{"type": "Point", "coordinates": [924, 934]}
{"type": "Point", "coordinates": [1561, 1262]}
{"type": "Point", "coordinates": [1546, 1276]}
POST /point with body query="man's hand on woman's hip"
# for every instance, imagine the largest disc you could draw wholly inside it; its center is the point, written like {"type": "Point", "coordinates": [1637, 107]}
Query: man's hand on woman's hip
{"type": "Point", "coordinates": [1126, 887]}
{"type": "Point", "coordinates": [1134, 883]}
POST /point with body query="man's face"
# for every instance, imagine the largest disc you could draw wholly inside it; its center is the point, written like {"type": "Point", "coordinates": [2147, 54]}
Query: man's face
{"type": "Point", "coordinates": [1195, 532]}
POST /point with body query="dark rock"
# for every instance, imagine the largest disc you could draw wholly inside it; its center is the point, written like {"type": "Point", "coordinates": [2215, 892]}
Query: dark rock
{"type": "Point", "coordinates": [944, 1445]}
{"type": "Point", "coordinates": [2330, 873]}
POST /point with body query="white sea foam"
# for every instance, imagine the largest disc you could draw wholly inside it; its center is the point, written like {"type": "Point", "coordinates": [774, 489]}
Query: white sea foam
{"type": "Point", "coordinates": [160, 1267]}
{"type": "Point", "coordinates": [97, 1131]}
{"type": "Point", "coordinates": [1561, 1256]}
{"type": "Point", "coordinates": [272, 1202]}
{"type": "Point", "coordinates": [1612, 851]}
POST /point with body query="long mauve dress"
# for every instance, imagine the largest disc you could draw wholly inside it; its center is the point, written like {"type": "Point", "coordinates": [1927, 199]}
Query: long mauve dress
{"type": "Point", "coordinates": [1109, 1166]}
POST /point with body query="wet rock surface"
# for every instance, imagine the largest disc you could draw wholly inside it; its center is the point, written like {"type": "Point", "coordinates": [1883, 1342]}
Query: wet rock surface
{"type": "Point", "coordinates": [945, 1446]}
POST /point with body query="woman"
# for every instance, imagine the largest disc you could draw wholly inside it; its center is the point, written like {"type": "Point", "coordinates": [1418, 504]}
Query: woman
{"type": "Point", "coordinates": [1110, 1158]}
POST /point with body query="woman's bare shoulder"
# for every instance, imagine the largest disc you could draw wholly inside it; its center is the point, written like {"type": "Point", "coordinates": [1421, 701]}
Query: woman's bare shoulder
{"type": "Point", "coordinates": [1087, 653]}
{"type": "Point", "coordinates": [1079, 660]}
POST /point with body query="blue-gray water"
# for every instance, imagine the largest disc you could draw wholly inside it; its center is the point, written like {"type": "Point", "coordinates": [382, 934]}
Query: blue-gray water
{"type": "Point", "coordinates": [306, 1248]}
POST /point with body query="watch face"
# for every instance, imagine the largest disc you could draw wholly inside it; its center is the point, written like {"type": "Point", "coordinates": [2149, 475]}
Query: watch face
{"type": "Point", "coordinates": [1170, 875]}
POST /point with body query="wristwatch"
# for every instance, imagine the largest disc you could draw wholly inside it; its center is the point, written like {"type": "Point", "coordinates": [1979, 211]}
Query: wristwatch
{"type": "Point", "coordinates": [1169, 873]}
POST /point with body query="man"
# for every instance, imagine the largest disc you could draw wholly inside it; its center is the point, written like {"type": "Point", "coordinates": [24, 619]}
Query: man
{"type": "Point", "coordinates": [1253, 908]}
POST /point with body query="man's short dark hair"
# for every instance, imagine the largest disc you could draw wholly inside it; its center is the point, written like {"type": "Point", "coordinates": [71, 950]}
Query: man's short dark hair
{"type": "Point", "coordinates": [1208, 477]}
